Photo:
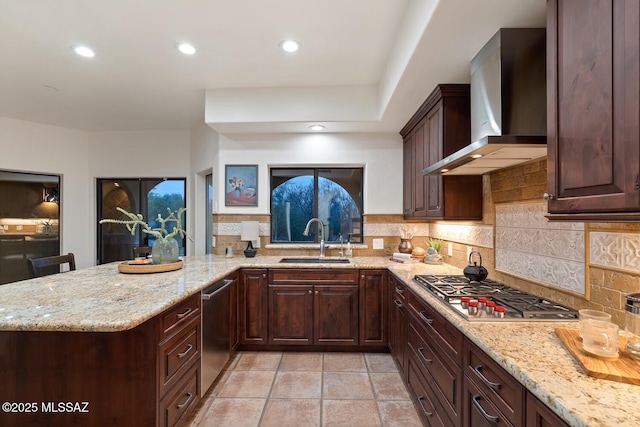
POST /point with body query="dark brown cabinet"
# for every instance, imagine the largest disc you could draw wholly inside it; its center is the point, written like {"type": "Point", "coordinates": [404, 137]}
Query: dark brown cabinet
{"type": "Point", "coordinates": [398, 321]}
{"type": "Point", "coordinates": [539, 415]}
{"type": "Point", "coordinates": [491, 393]}
{"type": "Point", "coordinates": [434, 350]}
{"type": "Point", "coordinates": [145, 376]}
{"type": "Point", "coordinates": [593, 99]}
{"type": "Point", "coordinates": [253, 307]}
{"type": "Point", "coordinates": [234, 309]}
{"type": "Point", "coordinates": [313, 307]}
{"type": "Point", "coordinates": [373, 307]}
{"type": "Point", "coordinates": [440, 127]}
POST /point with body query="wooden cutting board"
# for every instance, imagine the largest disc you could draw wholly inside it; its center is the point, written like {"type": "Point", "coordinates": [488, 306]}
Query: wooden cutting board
{"type": "Point", "coordinates": [625, 369]}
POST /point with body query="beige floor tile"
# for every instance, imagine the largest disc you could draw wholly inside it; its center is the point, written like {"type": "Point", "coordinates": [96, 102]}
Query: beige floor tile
{"type": "Point", "coordinates": [346, 385]}
{"type": "Point", "coordinates": [233, 413]}
{"type": "Point", "coordinates": [344, 362]}
{"type": "Point", "coordinates": [258, 361]}
{"type": "Point", "coordinates": [199, 412]}
{"type": "Point", "coordinates": [398, 413]}
{"type": "Point", "coordinates": [248, 384]}
{"type": "Point", "coordinates": [388, 386]}
{"type": "Point", "coordinates": [301, 385]}
{"type": "Point", "coordinates": [380, 362]}
{"type": "Point", "coordinates": [350, 413]}
{"type": "Point", "coordinates": [306, 362]}
{"type": "Point", "coordinates": [291, 413]}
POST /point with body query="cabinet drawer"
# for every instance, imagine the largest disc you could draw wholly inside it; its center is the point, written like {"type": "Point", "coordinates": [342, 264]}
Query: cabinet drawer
{"type": "Point", "coordinates": [442, 372]}
{"type": "Point", "coordinates": [178, 403]}
{"type": "Point", "coordinates": [177, 317]}
{"type": "Point", "coordinates": [504, 391]}
{"type": "Point", "coordinates": [439, 330]}
{"type": "Point", "coordinates": [480, 411]}
{"type": "Point", "coordinates": [427, 405]}
{"type": "Point", "coordinates": [178, 353]}
{"type": "Point", "coordinates": [399, 290]}
{"type": "Point", "coordinates": [315, 276]}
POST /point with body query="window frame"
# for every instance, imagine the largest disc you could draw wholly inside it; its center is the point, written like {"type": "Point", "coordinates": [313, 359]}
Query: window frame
{"type": "Point", "coordinates": [317, 174]}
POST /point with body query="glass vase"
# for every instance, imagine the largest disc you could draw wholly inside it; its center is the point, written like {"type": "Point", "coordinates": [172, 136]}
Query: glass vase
{"type": "Point", "coordinates": [165, 251]}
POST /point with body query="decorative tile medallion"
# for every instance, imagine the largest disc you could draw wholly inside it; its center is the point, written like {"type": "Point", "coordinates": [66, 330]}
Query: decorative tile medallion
{"type": "Point", "coordinates": [531, 247]}
{"type": "Point", "coordinates": [615, 250]}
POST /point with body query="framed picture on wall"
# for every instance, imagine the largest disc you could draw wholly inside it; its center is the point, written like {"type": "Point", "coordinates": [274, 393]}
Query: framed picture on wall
{"type": "Point", "coordinates": [241, 185]}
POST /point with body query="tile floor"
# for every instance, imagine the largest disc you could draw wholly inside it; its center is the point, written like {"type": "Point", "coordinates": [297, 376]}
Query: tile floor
{"type": "Point", "coordinates": [307, 389]}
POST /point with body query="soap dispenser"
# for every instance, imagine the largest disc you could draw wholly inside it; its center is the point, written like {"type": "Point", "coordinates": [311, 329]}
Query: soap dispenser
{"type": "Point", "coordinates": [348, 252]}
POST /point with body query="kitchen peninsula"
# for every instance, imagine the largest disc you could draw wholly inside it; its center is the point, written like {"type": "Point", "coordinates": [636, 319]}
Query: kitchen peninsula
{"type": "Point", "coordinates": [93, 305]}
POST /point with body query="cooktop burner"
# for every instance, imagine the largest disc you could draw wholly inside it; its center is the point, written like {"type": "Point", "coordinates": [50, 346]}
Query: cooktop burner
{"type": "Point", "coordinates": [484, 296]}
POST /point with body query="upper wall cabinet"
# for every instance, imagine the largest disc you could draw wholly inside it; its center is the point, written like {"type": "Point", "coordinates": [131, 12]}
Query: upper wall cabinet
{"type": "Point", "coordinates": [593, 96]}
{"type": "Point", "coordinates": [440, 127]}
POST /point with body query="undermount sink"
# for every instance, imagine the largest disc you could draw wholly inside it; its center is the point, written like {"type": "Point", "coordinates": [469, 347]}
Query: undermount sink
{"type": "Point", "coordinates": [314, 261]}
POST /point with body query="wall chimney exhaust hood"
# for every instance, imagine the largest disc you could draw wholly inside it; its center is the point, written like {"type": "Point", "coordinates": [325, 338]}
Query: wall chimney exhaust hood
{"type": "Point", "coordinates": [508, 105]}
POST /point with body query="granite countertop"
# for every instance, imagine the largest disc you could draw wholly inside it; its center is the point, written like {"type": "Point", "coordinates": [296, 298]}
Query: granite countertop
{"type": "Point", "coordinates": [100, 299]}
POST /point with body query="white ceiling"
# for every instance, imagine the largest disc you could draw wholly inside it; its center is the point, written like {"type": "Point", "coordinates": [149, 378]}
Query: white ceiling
{"type": "Point", "coordinates": [364, 65]}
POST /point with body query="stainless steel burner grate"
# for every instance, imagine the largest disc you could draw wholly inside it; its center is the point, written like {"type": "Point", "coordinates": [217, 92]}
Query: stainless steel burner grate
{"type": "Point", "coordinates": [518, 304]}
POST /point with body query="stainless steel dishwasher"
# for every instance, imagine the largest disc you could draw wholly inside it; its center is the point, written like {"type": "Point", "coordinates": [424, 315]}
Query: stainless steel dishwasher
{"type": "Point", "coordinates": [215, 332]}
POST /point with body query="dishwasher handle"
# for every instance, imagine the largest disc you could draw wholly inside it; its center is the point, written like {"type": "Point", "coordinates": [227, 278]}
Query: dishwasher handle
{"type": "Point", "coordinates": [210, 295]}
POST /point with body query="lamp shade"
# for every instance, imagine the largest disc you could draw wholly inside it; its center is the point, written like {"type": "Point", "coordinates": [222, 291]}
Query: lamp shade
{"type": "Point", "coordinates": [249, 230]}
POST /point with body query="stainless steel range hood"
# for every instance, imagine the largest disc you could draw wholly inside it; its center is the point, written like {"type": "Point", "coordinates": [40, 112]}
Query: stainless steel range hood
{"type": "Point", "coordinates": [508, 105]}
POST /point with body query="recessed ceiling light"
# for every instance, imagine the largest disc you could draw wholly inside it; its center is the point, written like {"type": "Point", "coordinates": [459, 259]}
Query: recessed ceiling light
{"type": "Point", "coordinates": [186, 48]}
{"type": "Point", "coordinates": [290, 45]}
{"type": "Point", "coordinates": [444, 170]}
{"type": "Point", "coordinates": [316, 127]}
{"type": "Point", "coordinates": [83, 51]}
{"type": "Point", "coordinates": [476, 156]}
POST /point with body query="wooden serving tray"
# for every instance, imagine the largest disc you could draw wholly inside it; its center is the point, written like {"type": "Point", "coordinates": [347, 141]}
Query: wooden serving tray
{"type": "Point", "coordinates": [624, 369]}
{"type": "Point", "coordinates": [126, 267]}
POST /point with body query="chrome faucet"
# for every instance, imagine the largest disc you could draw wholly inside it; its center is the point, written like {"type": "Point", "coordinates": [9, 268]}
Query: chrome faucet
{"type": "Point", "coordinates": [306, 233]}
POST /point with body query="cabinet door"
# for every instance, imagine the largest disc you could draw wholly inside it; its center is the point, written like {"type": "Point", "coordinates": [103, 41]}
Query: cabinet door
{"type": "Point", "coordinates": [291, 314]}
{"type": "Point", "coordinates": [421, 161]}
{"type": "Point", "coordinates": [593, 90]}
{"type": "Point", "coordinates": [539, 415]}
{"type": "Point", "coordinates": [434, 142]}
{"type": "Point", "coordinates": [335, 315]}
{"type": "Point", "coordinates": [397, 322]}
{"type": "Point", "coordinates": [408, 169]}
{"type": "Point", "coordinates": [253, 304]}
{"type": "Point", "coordinates": [373, 307]}
{"type": "Point", "coordinates": [234, 330]}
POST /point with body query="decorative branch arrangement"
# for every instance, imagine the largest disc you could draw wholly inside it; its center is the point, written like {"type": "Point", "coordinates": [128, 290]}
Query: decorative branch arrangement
{"type": "Point", "coordinates": [161, 232]}
{"type": "Point", "coordinates": [406, 232]}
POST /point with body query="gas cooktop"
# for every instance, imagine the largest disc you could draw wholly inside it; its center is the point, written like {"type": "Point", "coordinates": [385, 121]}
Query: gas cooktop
{"type": "Point", "coordinates": [489, 300]}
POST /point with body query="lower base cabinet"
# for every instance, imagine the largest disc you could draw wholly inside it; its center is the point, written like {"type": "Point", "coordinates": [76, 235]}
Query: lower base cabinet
{"type": "Point", "coordinates": [145, 376]}
{"type": "Point", "coordinates": [452, 381]}
{"type": "Point", "coordinates": [539, 415]}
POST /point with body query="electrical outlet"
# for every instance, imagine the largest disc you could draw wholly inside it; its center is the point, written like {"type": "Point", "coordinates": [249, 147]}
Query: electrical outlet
{"type": "Point", "coordinates": [378, 243]}
{"type": "Point", "coordinates": [213, 241]}
{"type": "Point", "coordinates": [469, 250]}
{"type": "Point", "coordinates": [450, 249]}
{"type": "Point", "coordinates": [18, 227]}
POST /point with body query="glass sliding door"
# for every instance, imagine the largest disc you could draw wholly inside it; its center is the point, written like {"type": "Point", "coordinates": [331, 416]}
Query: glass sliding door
{"type": "Point", "coordinates": [146, 196]}
{"type": "Point", "coordinates": [29, 221]}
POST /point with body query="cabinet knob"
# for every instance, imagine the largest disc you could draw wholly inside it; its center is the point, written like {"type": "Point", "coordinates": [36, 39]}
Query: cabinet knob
{"type": "Point", "coordinates": [264, 275]}
{"type": "Point", "coordinates": [309, 291]}
{"type": "Point", "coordinates": [438, 207]}
{"type": "Point", "coordinates": [547, 196]}
{"type": "Point", "coordinates": [316, 292]}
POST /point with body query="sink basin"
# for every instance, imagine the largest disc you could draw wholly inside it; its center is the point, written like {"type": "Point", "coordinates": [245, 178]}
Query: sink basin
{"type": "Point", "coordinates": [314, 261]}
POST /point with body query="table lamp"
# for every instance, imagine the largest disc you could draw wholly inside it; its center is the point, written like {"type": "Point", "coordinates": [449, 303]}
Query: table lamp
{"type": "Point", "coordinates": [250, 232]}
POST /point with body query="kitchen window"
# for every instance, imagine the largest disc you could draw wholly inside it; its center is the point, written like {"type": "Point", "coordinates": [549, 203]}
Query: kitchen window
{"type": "Point", "coordinates": [333, 195]}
